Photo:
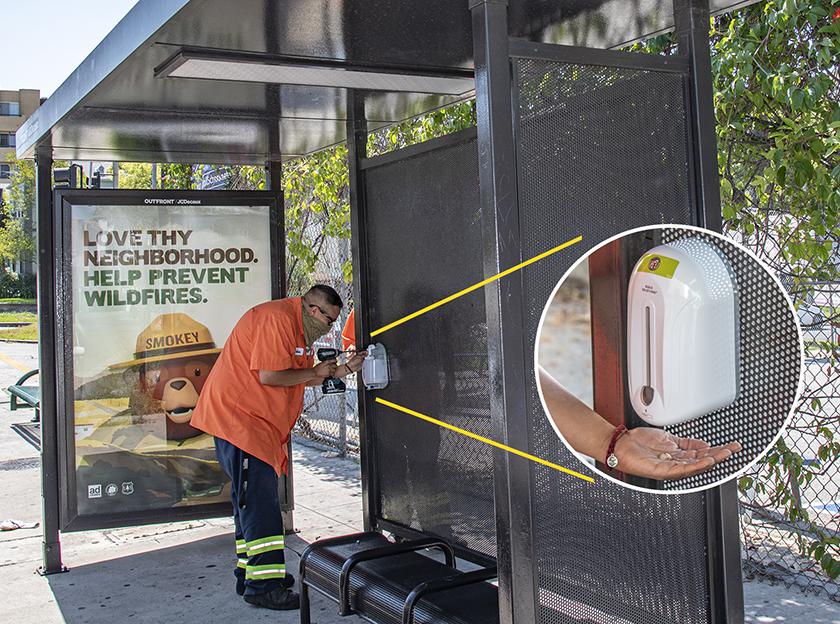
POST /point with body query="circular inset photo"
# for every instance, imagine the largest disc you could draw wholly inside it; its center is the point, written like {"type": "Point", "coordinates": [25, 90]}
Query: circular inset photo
{"type": "Point", "coordinates": [669, 359]}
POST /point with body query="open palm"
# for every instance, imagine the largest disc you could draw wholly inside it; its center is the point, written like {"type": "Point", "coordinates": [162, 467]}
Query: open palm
{"type": "Point", "coordinates": [657, 454]}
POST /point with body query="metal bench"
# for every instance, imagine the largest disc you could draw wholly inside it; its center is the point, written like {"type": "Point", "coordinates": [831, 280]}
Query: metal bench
{"type": "Point", "coordinates": [23, 396]}
{"type": "Point", "coordinates": [393, 583]}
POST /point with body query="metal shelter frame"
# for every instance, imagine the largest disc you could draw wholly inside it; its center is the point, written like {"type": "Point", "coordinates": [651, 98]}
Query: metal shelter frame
{"type": "Point", "coordinates": [493, 46]}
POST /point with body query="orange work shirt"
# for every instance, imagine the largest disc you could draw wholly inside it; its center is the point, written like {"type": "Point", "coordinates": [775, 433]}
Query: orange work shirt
{"type": "Point", "coordinates": [234, 405]}
{"type": "Point", "coordinates": [348, 334]}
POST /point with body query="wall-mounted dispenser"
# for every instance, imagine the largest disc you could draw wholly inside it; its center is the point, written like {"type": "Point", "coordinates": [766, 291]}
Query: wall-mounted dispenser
{"type": "Point", "coordinates": [682, 336]}
{"type": "Point", "coordinates": [375, 367]}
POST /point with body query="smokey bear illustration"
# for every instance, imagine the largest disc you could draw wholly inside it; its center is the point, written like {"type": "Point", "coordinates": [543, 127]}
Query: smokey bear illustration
{"type": "Point", "coordinates": [174, 356]}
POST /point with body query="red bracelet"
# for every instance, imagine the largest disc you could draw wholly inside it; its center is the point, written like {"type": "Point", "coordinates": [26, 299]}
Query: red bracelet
{"type": "Point", "coordinates": [611, 460]}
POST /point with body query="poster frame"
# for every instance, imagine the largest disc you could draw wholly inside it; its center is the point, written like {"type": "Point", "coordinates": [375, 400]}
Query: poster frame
{"type": "Point", "coordinates": [64, 201]}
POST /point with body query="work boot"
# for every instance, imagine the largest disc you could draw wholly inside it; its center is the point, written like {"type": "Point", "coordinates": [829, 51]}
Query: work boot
{"type": "Point", "coordinates": [279, 599]}
{"type": "Point", "coordinates": [287, 583]}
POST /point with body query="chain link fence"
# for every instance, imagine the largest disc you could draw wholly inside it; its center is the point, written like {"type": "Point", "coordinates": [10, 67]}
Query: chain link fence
{"type": "Point", "coordinates": [788, 507]}
{"type": "Point", "coordinates": [329, 421]}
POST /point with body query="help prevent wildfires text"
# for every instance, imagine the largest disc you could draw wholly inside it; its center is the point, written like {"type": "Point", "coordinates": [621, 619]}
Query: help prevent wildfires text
{"type": "Point", "coordinates": [160, 285]}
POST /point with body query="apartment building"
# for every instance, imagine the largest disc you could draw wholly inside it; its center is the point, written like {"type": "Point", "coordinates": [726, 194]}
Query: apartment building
{"type": "Point", "coordinates": [15, 108]}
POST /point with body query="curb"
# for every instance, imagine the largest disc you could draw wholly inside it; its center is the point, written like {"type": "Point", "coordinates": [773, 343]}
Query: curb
{"type": "Point", "coordinates": [21, 341]}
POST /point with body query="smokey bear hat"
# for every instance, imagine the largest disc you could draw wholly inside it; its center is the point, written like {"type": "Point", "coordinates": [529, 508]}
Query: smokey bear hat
{"type": "Point", "coordinates": [168, 337]}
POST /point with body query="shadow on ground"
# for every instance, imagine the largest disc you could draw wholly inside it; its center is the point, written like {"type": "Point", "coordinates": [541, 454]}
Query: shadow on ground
{"type": "Point", "coordinates": [325, 466]}
{"type": "Point", "coordinates": [192, 582]}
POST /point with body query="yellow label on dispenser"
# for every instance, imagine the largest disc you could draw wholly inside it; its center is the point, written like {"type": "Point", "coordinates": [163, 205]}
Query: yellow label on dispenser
{"type": "Point", "coordinates": [658, 265]}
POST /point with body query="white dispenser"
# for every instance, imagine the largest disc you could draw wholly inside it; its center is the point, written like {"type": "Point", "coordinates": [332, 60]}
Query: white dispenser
{"type": "Point", "coordinates": [375, 367]}
{"type": "Point", "coordinates": [682, 339]}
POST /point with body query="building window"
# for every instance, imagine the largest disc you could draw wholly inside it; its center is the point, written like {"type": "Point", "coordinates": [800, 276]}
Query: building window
{"type": "Point", "coordinates": [7, 139]}
{"type": "Point", "coordinates": [9, 109]}
{"type": "Point", "coordinates": [5, 171]}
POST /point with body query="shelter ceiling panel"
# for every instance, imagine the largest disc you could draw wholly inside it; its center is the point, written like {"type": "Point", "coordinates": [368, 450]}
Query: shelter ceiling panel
{"type": "Point", "coordinates": [183, 137]}
{"type": "Point", "coordinates": [433, 33]}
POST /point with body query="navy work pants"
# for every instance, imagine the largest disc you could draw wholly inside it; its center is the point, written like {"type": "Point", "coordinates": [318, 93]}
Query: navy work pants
{"type": "Point", "coordinates": [261, 564]}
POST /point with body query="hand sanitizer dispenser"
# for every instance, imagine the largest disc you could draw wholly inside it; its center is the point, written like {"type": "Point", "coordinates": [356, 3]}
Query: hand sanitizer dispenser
{"type": "Point", "coordinates": [682, 339]}
{"type": "Point", "coordinates": [375, 367]}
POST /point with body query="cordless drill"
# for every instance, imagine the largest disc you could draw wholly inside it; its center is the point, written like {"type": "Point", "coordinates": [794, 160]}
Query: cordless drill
{"type": "Point", "coordinates": [331, 385]}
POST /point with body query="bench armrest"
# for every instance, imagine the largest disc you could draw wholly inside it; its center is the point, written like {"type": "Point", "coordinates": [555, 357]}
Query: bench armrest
{"type": "Point", "coordinates": [379, 553]}
{"type": "Point", "coordinates": [450, 582]}
{"type": "Point", "coordinates": [330, 541]}
{"type": "Point", "coordinates": [31, 373]}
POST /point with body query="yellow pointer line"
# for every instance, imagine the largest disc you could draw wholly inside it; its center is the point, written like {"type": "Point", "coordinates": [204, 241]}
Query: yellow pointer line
{"type": "Point", "coordinates": [461, 293]}
{"type": "Point", "coordinates": [475, 436]}
{"type": "Point", "coordinates": [14, 363]}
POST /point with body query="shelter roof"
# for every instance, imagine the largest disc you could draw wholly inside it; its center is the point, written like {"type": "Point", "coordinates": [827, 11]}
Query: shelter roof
{"type": "Point", "coordinates": [136, 97]}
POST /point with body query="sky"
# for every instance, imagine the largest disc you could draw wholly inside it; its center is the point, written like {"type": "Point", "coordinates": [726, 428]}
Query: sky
{"type": "Point", "coordinates": [43, 41]}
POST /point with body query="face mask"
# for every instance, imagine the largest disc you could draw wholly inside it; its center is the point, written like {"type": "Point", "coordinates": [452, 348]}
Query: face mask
{"type": "Point", "coordinates": [313, 328]}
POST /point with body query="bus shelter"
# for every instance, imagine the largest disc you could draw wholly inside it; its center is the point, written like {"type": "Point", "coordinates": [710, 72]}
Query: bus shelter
{"type": "Point", "coordinates": [575, 136]}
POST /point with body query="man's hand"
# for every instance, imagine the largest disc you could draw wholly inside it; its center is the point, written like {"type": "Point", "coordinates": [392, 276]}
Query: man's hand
{"type": "Point", "coordinates": [355, 363]}
{"type": "Point", "coordinates": [657, 454]}
{"type": "Point", "coordinates": [325, 369]}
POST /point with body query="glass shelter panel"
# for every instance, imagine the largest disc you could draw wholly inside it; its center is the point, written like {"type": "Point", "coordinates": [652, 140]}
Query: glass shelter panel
{"type": "Point", "coordinates": [155, 292]}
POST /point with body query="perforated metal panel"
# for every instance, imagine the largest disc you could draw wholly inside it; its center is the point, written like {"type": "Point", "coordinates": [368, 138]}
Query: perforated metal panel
{"type": "Point", "coordinates": [769, 367]}
{"type": "Point", "coordinates": [424, 243]}
{"type": "Point", "coordinates": [602, 150]}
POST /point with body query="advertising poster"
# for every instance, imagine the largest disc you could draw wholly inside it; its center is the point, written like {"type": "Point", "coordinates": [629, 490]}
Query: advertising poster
{"type": "Point", "coordinates": [156, 292]}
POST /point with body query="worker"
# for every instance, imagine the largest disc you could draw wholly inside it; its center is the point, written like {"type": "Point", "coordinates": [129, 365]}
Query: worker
{"type": "Point", "coordinates": [348, 333]}
{"type": "Point", "coordinates": [250, 403]}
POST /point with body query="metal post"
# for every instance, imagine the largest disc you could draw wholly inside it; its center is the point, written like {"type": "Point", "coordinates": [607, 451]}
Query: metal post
{"type": "Point", "coordinates": [342, 425]}
{"type": "Point", "coordinates": [691, 18]}
{"type": "Point", "coordinates": [726, 589]}
{"type": "Point", "coordinates": [47, 363]}
{"type": "Point", "coordinates": [356, 151]}
{"type": "Point", "coordinates": [506, 333]}
{"type": "Point", "coordinates": [274, 182]}
{"type": "Point", "coordinates": [343, 448]}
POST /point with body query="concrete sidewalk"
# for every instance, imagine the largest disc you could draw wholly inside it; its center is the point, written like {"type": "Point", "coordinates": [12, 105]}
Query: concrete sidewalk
{"type": "Point", "coordinates": [183, 571]}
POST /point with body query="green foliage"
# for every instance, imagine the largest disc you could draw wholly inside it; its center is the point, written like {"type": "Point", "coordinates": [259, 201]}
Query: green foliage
{"type": "Point", "coordinates": [316, 189]}
{"type": "Point", "coordinates": [176, 176]}
{"type": "Point", "coordinates": [776, 97]}
{"type": "Point", "coordinates": [316, 194]}
{"type": "Point", "coordinates": [245, 178]}
{"type": "Point", "coordinates": [135, 175]}
{"type": "Point", "coordinates": [27, 332]}
{"type": "Point", "coordinates": [14, 285]}
{"type": "Point", "coordinates": [435, 124]}
{"type": "Point", "coordinates": [16, 237]}
{"type": "Point", "coordinates": [173, 176]}
{"type": "Point", "coordinates": [18, 317]}
{"type": "Point", "coordinates": [777, 94]}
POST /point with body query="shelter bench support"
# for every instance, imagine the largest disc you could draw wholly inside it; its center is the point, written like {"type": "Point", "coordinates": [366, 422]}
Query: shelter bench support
{"type": "Point", "coordinates": [23, 395]}
{"type": "Point", "coordinates": [383, 579]}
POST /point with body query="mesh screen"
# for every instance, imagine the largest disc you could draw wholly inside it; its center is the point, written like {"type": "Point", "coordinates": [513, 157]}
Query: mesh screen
{"type": "Point", "coordinates": [602, 150]}
{"type": "Point", "coordinates": [768, 368]}
{"type": "Point", "coordinates": [424, 243]}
